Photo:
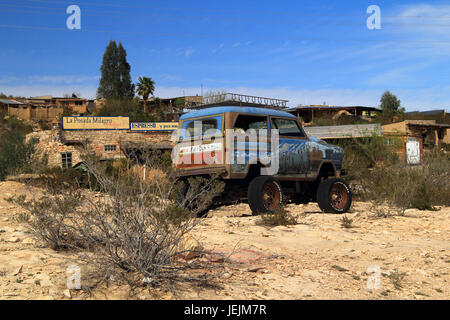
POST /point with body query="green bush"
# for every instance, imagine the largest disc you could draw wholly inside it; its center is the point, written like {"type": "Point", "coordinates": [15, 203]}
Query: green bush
{"type": "Point", "coordinates": [15, 153]}
{"type": "Point", "coordinates": [129, 108]}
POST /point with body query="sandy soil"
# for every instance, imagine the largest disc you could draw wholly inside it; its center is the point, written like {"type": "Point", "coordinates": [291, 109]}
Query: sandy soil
{"type": "Point", "coordinates": [315, 259]}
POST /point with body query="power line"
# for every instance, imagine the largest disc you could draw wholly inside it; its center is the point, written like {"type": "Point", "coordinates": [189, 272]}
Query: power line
{"type": "Point", "coordinates": [215, 36]}
{"type": "Point", "coordinates": [220, 10]}
{"type": "Point", "coordinates": [161, 17]}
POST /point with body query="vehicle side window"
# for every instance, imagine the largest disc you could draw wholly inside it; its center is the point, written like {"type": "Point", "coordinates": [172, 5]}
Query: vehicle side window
{"type": "Point", "coordinates": [246, 122]}
{"type": "Point", "coordinates": [203, 126]}
{"type": "Point", "coordinates": [287, 127]}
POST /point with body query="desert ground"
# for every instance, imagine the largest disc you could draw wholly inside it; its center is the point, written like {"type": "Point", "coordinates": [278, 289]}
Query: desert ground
{"type": "Point", "coordinates": [316, 259]}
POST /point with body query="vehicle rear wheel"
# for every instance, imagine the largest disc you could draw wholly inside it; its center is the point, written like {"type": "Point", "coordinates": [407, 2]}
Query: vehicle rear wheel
{"type": "Point", "coordinates": [334, 196]}
{"type": "Point", "coordinates": [264, 195]}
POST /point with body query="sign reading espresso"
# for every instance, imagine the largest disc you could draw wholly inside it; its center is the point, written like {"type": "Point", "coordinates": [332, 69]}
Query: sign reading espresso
{"type": "Point", "coordinates": [95, 123]}
{"type": "Point", "coordinates": [153, 126]}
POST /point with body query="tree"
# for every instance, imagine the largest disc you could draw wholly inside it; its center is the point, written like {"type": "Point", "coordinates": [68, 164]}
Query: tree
{"type": "Point", "coordinates": [389, 102]}
{"type": "Point", "coordinates": [115, 81]}
{"type": "Point", "coordinates": [145, 87]}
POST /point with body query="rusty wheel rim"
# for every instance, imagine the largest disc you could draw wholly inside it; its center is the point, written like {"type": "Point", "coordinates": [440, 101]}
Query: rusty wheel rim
{"type": "Point", "coordinates": [338, 196]}
{"type": "Point", "coordinates": [271, 195]}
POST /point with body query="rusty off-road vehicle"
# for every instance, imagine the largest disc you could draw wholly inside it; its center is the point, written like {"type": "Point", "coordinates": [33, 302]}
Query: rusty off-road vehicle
{"type": "Point", "coordinates": [301, 168]}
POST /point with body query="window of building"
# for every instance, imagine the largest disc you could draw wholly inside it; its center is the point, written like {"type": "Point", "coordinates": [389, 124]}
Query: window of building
{"type": "Point", "coordinates": [66, 159]}
{"type": "Point", "coordinates": [111, 147]}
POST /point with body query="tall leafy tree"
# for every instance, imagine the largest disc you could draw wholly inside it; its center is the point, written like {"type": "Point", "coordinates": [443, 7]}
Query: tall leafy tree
{"type": "Point", "coordinates": [145, 88]}
{"type": "Point", "coordinates": [389, 102]}
{"type": "Point", "coordinates": [115, 81]}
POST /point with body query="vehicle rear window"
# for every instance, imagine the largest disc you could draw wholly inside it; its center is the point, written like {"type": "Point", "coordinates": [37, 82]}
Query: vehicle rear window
{"type": "Point", "coordinates": [287, 127]}
{"type": "Point", "coordinates": [207, 126]}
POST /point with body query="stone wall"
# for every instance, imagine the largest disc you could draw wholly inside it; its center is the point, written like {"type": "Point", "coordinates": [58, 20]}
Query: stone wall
{"type": "Point", "coordinates": [50, 145]}
{"type": "Point", "coordinates": [56, 141]}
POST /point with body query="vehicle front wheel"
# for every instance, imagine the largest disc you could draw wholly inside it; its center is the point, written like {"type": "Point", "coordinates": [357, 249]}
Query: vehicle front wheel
{"type": "Point", "coordinates": [334, 196]}
{"type": "Point", "coordinates": [264, 195]}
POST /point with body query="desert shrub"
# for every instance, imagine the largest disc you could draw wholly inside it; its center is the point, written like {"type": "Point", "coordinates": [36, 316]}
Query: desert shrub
{"type": "Point", "coordinates": [376, 174]}
{"type": "Point", "coordinates": [48, 219]}
{"type": "Point", "coordinates": [400, 187]}
{"type": "Point", "coordinates": [281, 217]}
{"type": "Point", "coordinates": [15, 124]}
{"type": "Point", "coordinates": [320, 122]}
{"type": "Point", "coordinates": [44, 125]}
{"type": "Point", "coordinates": [131, 108]}
{"type": "Point", "coordinates": [346, 222]}
{"type": "Point", "coordinates": [132, 227]}
{"type": "Point", "coordinates": [15, 153]}
{"type": "Point", "coordinates": [364, 153]}
{"type": "Point", "coordinates": [397, 279]}
{"type": "Point", "coordinates": [197, 193]}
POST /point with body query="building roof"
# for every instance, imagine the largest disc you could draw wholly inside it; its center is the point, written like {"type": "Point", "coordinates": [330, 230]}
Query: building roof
{"type": "Point", "coordinates": [346, 131]}
{"type": "Point", "coordinates": [427, 113]}
{"type": "Point", "coordinates": [9, 101]}
{"type": "Point", "coordinates": [223, 109]}
{"type": "Point", "coordinates": [434, 125]}
{"type": "Point", "coordinates": [42, 98]}
{"type": "Point", "coordinates": [327, 107]}
{"type": "Point", "coordinates": [401, 127]}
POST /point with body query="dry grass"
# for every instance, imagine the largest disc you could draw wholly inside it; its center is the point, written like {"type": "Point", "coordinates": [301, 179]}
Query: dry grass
{"type": "Point", "coordinates": [132, 228]}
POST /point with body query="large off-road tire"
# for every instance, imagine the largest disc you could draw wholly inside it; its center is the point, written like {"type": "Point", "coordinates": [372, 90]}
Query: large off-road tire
{"type": "Point", "coordinates": [334, 196]}
{"type": "Point", "coordinates": [264, 195]}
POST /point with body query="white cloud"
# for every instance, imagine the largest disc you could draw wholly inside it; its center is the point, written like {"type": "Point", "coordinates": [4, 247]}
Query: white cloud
{"type": "Point", "coordinates": [189, 52]}
{"type": "Point", "coordinates": [401, 74]}
{"type": "Point", "coordinates": [424, 99]}
{"type": "Point", "coordinates": [86, 91]}
{"type": "Point", "coordinates": [8, 79]}
{"type": "Point", "coordinates": [218, 48]}
{"type": "Point", "coordinates": [425, 18]}
{"type": "Point", "coordinates": [61, 79]}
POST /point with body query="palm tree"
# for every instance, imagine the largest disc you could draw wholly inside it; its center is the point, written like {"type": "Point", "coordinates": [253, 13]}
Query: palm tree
{"type": "Point", "coordinates": [145, 88]}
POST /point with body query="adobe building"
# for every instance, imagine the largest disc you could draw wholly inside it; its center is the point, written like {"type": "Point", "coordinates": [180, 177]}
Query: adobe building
{"type": "Point", "coordinates": [417, 136]}
{"type": "Point", "coordinates": [76, 105]}
{"type": "Point", "coordinates": [44, 108]}
{"type": "Point", "coordinates": [64, 148]}
{"type": "Point", "coordinates": [428, 132]}
{"type": "Point", "coordinates": [311, 112]}
{"type": "Point", "coordinates": [10, 106]}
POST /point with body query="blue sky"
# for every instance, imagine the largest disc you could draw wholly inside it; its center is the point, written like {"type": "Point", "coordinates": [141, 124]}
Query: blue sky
{"type": "Point", "coordinates": [308, 52]}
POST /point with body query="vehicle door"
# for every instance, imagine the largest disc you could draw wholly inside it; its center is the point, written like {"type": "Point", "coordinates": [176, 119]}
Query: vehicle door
{"type": "Point", "coordinates": [292, 149]}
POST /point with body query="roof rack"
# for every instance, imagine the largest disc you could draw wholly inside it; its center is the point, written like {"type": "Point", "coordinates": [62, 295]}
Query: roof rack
{"type": "Point", "coordinates": [234, 99]}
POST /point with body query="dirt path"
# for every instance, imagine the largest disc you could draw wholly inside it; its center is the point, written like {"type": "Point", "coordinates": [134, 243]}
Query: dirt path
{"type": "Point", "coordinates": [316, 259]}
